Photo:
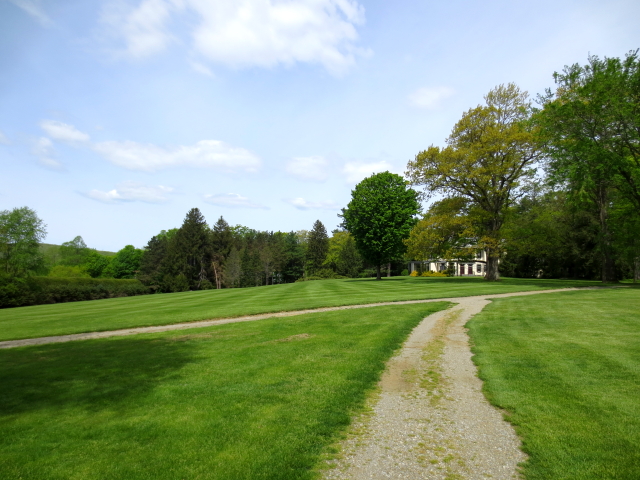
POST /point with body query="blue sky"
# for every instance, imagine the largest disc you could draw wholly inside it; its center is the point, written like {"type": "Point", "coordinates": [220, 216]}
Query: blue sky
{"type": "Point", "coordinates": [119, 116]}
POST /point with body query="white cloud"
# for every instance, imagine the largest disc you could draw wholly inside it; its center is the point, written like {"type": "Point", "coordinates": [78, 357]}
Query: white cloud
{"type": "Point", "coordinates": [429, 97]}
{"type": "Point", "coordinates": [302, 204]}
{"type": "Point", "coordinates": [200, 68]}
{"type": "Point", "coordinates": [313, 168]}
{"type": "Point", "coordinates": [33, 8]}
{"type": "Point", "coordinates": [356, 171]}
{"type": "Point", "coordinates": [63, 132]}
{"type": "Point", "coordinates": [245, 33]}
{"type": "Point", "coordinates": [142, 28]}
{"type": "Point", "coordinates": [43, 149]}
{"type": "Point", "coordinates": [3, 139]}
{"type": "Point", "coordinates": [132, 192]}
{"type": "Point", "coordinates": [232, 200]}
{"type": "Point", "coordinates": [205, 153]}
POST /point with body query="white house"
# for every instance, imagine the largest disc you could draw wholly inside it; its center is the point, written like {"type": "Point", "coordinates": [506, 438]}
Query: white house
{"type": "Point", "coordinates": [471, 268]}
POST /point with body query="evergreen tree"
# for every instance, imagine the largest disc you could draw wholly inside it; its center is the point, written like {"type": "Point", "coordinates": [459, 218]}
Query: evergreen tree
{"type": "Point", "coordinates": [317, 247]}
{"type": "Point", "coordinates": [188, 251]}
{"type": "Point", "coordinates": [221, 243]}
{"type": "Point", "coordinates": [151, 262]}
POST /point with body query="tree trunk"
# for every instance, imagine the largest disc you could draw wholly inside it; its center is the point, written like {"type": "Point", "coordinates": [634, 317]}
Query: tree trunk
{"type": "Point", "coordinates": [606, 249]}
{"type": "Point", "coordinates": [389, 269]}
{"type": "Point", "coordinates": [492, 275]}
{"type": "Point", "coordinates": [636, 269]}
{"type": "Point", "coordinates": [378, 277]}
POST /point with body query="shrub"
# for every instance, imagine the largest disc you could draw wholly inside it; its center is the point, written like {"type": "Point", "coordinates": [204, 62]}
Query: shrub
{"type": "Point", "coordinates": [414, 273]}
{"type": "Point", "coordinates": [434, 274]}
{"type": "Point", "coordinates": [66, 271]}
{"type": "Point", "coordinates": [404, 273]}
{"type": "Point", "coordinates": [16, 292]}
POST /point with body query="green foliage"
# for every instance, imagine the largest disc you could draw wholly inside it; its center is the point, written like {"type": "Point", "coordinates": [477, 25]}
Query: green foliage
{"type": "Point", "coordinates": [446, 232]}
{"type": "Point", "coordinates": [591, 126]}
{"type": "Point", "coordinates": [21, 231]}
{"type": "Point", "coordinates": [342, 256]}
{"type": "Point", "coordinates": [317, 247]}
{"type": "Point", "coordinates": [566, 370]}
{"type": "Point", "coordinates": [74, 252]}
{"type": "Point", "coordinates": [96, 264]}
{"type": "Point", "coordinates": [42, 290]}
{"type": "Point", "coordinates": [125, 264]}
{"type": "Point", "coordinates": [490, 151]}
{"type": "Point", "coordinates": [66, 271]}
{"type": "Point", "coordinates": [188, 251]}
{"type": "Point", "coordinates": [151, 262]}
{"type": "Point", "coordinates": [380, 216]}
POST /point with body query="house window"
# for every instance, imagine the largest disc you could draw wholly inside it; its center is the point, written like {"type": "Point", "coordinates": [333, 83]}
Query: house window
{"type": "Point", "coordinates": [461, 269]}
{"type": "Point", "coordinates": [479, 255]}
{"type": "Point", "coordinates": [470, 269]}
{"type": "Point", "coordinates": [479, 268]}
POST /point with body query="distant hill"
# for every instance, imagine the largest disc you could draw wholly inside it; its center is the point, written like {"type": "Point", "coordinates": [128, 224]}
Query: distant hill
{"type": "Point", "coordinates": [48, 249]}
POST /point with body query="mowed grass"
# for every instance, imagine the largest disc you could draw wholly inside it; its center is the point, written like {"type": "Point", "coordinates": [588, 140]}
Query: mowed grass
{"type": "Point", "coordinates": [257, 400]}
{"type": "Point", "coordinates": [566, 368]}
{"type": "Point", "coordinates": [163, 309]}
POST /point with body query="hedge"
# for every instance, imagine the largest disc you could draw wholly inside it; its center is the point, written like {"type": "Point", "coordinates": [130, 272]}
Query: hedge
{"type": "Point", "coordinates": [17, 292]}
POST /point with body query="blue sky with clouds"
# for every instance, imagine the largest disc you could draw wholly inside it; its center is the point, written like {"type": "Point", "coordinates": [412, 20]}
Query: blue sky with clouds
{"type": "Point", "coordinates": [119, 116]}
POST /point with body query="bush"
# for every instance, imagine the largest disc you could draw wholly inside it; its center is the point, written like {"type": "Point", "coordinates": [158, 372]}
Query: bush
{"type": "Point", "coordinates": [65, 271]}
{"type": "Point", "coordinates": [414, 273]}
{"type": "Point", "coordinates": [434, 274]}
{"type": "Point", "coordinates": [404, 273]}
{"type": "Point", "coordinates": [16, 292]}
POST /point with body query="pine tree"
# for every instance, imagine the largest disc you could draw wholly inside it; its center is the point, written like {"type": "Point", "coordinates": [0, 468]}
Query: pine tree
{"type": "Point", "coordinates": [317, 247]}
{"type": "Point", "coordinates": [188, 252]}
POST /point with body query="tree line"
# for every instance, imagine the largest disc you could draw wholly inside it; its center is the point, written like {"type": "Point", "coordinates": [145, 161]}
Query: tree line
{"type": "Point", "coordinates": [550, 190]}
{"type": "Point", "coordinates": [546, 190]}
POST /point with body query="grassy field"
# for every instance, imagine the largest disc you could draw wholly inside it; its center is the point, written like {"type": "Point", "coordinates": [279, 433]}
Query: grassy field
{"type": "Point", "coordinates": [566, 368]}
{"type": "Point", "coordinates": [258, 400]}
{"type": "Point", "coordinates": [163, 309]}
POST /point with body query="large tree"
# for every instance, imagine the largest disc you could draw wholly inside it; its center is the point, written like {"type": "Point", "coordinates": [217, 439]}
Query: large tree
{"type": "Point", "coordinates": [380, 215]}
{"type": "Point", "coordinates": [489, 151]}
{"type": "Point", "coordinates": [21, 232]}
{"type": "Point", "coordinates": [188, 252]}
{"type": "Point", "coordinates": [74, 252]}
{"type": "Point", "coordinates": [591, 127]}
{"type": "Point", "coordinates": [317, 247]}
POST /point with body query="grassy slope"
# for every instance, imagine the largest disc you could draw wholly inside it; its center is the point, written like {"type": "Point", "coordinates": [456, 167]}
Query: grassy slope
{"type": "Point", "coordinates": [115, 313]}
{"type": "Point", "coordinates": [228, 402]}
{"type": "Point", "coordinates": [568, 371]}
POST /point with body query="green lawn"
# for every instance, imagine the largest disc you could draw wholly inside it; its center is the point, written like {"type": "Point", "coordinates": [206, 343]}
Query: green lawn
{"type": "Point", "coordinates": [258, 400]}
{"type": "Point", "coordinates": [162, 309]}
{"type": "Point", "coordinates": [566, 367]}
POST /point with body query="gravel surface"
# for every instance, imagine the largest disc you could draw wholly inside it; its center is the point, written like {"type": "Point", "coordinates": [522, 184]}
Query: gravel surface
{"type": "Point", "coordinates": [429, 418]}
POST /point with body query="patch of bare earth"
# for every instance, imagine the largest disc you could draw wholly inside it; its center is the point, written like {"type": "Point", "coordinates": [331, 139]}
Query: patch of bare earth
{"type": "Point", "coordinates": [429, 418]}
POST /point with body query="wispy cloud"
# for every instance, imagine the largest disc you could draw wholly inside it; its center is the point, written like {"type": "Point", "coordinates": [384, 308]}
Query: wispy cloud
{"type": "Point", "coordinates": [43, 149]}
{"type": "Point", "coordinates": [302, 204]}
{"type": "Point", "coordinates": [132, 192]}
{"type": "Point", "coordinates": [204, 154]}
{"type": "Point", "coordinates": [356, 171]}
{"type": "Point", "coordinates": [313, 168]}
{"type": "Point", "coordinates": [232, 200]}
{"type": "Point", "coordinates": [429, 97]}
{"type": "Point", "coordinates": [33, 8]}
{"type": "Point", "coordinates": [148, 157]}
{"type": "Point", "coordinates": [262, 33]}
{"type": "Point", "coordinates": [63, 132]}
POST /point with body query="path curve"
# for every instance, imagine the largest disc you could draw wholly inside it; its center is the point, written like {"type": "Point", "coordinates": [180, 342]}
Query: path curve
{"type": "Point", "coordinates": [249, 318]}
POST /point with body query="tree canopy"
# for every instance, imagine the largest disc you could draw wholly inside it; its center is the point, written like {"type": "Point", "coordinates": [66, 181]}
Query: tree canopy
{"type": "Point", "coordinates": [380, 215]}
{"type": "Point", "coordinates": [21, 232]}
{"type": "Point", "coordinates": [490, 151]}
{"type": "Point", "coordinates": [591, 128]}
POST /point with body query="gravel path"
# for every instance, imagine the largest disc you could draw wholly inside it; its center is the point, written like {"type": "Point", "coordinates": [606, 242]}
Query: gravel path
{"type": "Point", "coordinates": [429, 418]}
{"type": "Point", "coordinates": [207, 323]}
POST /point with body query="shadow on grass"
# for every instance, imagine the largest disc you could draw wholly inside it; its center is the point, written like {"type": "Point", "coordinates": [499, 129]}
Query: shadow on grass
{"type": "Point", "coordinates": [87, 374]}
